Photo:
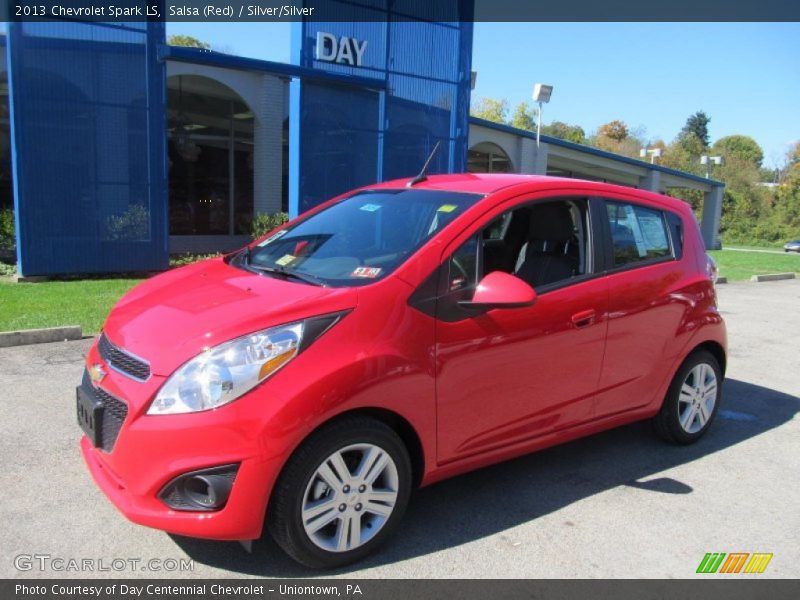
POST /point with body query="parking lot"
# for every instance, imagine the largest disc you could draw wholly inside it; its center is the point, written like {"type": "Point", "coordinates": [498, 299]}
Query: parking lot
{"type": "Point", "coordinates": [620, 504]}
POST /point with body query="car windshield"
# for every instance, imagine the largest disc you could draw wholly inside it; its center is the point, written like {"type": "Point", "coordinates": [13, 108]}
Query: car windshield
{"type": "Point", "coordinates": [359, 240]}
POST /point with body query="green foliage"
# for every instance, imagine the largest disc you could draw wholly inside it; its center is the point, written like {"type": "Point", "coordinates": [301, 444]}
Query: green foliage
{"type": "Point", "coordinates": [187, 41]}
{"type": "Point", "coordinates": [132, 225]}
{"type": "Point", "coordinates": [490, 109]}
{"type": "Point", "coordinates": [7, 270]}
{"type": "Point", "coordinates": [524, 117]}
{"type": "Point", "coordinates": [563, 131]}
{"type": "Point", "coordinates": [697, 124]}
{"type": "Point", "coordinates": [741, 147]}
{"type": "Point", "coordinates": [181, 260]}
{"type": "Point", "coordinates": [264, 223]}
{"type": "Point", "coordinates": [8, 240]}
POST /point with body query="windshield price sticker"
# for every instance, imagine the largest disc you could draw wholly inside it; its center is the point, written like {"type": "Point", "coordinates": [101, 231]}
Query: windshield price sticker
{"type": "Point", "coordinates": [446, 208]}
{"type": "Point", "coordinates": [285, 260]}
{"type": "Point", "coordinates": [273, 237]}
{"type": "Point", "coordinates": [371, 207]}
{"type": "Point", "coordinates": [366, 272]}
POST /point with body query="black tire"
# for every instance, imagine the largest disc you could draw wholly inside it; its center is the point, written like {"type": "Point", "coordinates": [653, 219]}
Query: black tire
{"type": "Point", "coordinates": [667, 423]}
{"type": "Point", "coordinates": [284, 516]}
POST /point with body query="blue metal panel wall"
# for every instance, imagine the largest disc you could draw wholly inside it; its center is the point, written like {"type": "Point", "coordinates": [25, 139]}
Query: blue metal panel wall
{"type": "Point", "coordinates": [422, 51]}
{"type": "Point", "coordinates": [88, 108]}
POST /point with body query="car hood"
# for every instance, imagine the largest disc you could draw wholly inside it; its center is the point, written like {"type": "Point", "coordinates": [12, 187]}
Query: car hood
{"type": "Point", "coordinates": [176, 315]}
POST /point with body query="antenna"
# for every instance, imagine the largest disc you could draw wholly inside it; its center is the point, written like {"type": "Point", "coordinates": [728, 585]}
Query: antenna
{"type": "Point", "coordinates": [423, 174]}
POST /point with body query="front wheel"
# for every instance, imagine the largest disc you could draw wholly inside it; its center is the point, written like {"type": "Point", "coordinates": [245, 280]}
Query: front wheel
{"type": "Point", "coordinates": [692, 400]}
{"type": "Point", "coordinates": [341, 494]}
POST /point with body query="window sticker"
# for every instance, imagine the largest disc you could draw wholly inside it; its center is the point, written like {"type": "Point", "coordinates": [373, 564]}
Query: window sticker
{"type": "Point", "coordinates": [636, 230]}
{"type": "Point", "coordinates": [273, 237]}
{"type": "Point", "coordinates": [447, 208]}
{"type": "Point", "coordinates": [366, 272]}
{"type": "Point", "coordinates": [285, 259]}
{"type": "Point", "coordinates": [371, 207]}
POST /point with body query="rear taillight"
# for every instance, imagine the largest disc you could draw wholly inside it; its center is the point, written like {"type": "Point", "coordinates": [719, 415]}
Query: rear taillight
{"type": "Point", "coordinates": [711, 269]}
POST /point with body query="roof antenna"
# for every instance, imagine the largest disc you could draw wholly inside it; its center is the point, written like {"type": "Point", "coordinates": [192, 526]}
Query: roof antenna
{"type": "Point", "coordinates": [423, 175]}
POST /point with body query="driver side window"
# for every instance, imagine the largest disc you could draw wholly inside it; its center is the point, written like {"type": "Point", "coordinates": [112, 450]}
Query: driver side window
{"type": "Point", "coordinates": [543, 243]}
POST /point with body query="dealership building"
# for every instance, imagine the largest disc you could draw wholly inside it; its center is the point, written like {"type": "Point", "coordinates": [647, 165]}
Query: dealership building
{"type": "Point", "coordinates": [117, 150]}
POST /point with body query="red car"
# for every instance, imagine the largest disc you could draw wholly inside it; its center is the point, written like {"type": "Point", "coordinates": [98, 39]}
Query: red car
{"type": "Point", "coordinates": [390, 338]}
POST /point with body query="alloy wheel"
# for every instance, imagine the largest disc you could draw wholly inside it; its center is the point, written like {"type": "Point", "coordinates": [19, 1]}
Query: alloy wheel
{"type": "Point", "coordinates": [350, 497]}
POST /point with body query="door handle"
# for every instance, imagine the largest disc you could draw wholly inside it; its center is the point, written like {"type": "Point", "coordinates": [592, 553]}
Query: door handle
{"type": "Point", "coordinates": [583, 318]}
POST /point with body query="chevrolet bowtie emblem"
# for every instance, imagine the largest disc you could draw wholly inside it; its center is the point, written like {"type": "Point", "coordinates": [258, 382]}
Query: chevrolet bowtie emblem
{"type": "Point", "coordinates": [96, 373]}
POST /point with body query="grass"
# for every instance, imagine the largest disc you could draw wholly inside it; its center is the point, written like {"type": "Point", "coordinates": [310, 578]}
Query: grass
{"type": "Point", "coordinates": [83, 302]}
{"type": "Point", "coordinates": [740, 266]}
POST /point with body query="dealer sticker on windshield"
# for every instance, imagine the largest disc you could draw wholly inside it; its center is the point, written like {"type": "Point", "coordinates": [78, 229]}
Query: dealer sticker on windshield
{"type": "Point", "coordinates": [285, 260]}
{"type": "Point", "coordinates": [370, 207]}
{"type": "Point", "coordinates": [366, 272]}
{"type": "Point", "coordinates": [447, 208]}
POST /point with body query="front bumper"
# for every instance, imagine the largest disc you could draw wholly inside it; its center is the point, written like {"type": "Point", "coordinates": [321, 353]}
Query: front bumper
{"type": "Point", "coordinates": [242, 517]}
{"type": "Point", "coordinates": [150, 451]}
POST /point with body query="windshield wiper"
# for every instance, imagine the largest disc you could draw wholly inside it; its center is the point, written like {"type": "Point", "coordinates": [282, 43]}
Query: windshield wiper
{"type": "Point", "coordinates": [286, 274]}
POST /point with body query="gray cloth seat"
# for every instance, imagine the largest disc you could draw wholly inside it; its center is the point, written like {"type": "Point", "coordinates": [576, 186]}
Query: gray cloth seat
{"type": "Point", "coordinates": [543, 259]}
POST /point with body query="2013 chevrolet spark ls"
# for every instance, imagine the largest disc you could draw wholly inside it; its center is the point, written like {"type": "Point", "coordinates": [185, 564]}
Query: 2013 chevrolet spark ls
{"type": "Point", "coordinates": [390, 338]}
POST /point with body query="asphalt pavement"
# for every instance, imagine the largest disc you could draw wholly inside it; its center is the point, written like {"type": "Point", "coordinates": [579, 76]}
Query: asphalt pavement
{"type": "Point", "coordinates": [619, 504]}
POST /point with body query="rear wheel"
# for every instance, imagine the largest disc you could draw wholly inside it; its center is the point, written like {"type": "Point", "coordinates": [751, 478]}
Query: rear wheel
{"type": "Point", "coordinates": [692, 400]}
{"type": "Point", "coordinates": [341, 494]}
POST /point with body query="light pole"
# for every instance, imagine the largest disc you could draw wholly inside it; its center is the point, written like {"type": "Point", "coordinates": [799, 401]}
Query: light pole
{"type": "Point", "coordinates": [653, 152]}
{"type": "Point", "coordinates": [709, 162]}
{"type": "Point", "coordinates": [541, 94]}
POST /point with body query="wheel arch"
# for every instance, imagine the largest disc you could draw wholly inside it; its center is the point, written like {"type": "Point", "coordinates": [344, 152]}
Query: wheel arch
{"type": "Point", "coordinates": [400, 425]}
{"type": "Point", "coordinates": [716, 350]}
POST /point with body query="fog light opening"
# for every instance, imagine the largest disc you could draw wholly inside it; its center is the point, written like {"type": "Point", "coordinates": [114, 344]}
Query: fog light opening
{"type": "Point", "coordinates": [205, 490]}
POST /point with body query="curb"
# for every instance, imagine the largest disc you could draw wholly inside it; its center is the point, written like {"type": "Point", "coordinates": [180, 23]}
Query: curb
{"type": "Point", "coordinates": [40, 336]}
{"type": "Point", "coordinates": [772, 277]}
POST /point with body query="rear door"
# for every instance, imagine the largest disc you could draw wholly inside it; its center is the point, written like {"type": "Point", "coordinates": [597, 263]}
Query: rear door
{"type": "Point", "coordinates": [646, 307]}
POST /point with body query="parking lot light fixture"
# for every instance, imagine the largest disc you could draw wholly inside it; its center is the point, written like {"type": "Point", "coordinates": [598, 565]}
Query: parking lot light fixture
{"type": "Point", "coordinates": [541, 95]}
{"type": "Point", "coordinates": [653, 152]}
{"type": "Point", "coordinates": [709, 162]}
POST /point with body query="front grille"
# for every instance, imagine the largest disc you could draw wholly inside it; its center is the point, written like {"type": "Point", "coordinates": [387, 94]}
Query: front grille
{"type": "Point", "coordinates": [121, 361]}
{"type": "Point", "coordinates": [114, 413]}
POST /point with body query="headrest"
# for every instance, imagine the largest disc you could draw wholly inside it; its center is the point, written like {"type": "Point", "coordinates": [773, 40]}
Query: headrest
{"type": "Point", "coordinates": [551, 221]}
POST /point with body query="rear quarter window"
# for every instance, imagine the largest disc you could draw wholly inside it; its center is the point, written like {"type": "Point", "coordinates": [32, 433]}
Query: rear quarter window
{"type": "Point", "coordinates": [638, 233]}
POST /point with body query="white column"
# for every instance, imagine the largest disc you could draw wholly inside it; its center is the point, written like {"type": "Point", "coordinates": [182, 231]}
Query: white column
{"type": "Point", "coordinates": [527, 156]}
{"type": "Point", "coordinates": [712, 213]}
{"type": "Point", "coordinates": [539, 158]}
{"type": "Point", "coordinates": [268, 146]}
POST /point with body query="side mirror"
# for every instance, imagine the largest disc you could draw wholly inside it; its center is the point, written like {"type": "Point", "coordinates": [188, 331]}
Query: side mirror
{"type": "Point", "coordinates": [501, 290]}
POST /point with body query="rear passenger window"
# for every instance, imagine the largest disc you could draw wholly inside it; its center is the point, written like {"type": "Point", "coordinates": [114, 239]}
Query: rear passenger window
{"type": "Point", "coordinates": [637, 233]}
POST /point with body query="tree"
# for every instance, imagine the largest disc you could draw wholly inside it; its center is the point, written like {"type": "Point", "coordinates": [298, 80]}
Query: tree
{"type": "Point", "coordinates": [490, 109]}
{"type": "Point", "coordinates": [698, 125]}
{"type": "Point", "coordinates": [187, 41]}
{"type": "Point", "coordinates": [740, 147]}
{"type": "Point", "coordinates": [563, 131]}
{"type": "Point", "coordinates": [614, 130]}
{"type": "Point", "coordinates": [524, 117]}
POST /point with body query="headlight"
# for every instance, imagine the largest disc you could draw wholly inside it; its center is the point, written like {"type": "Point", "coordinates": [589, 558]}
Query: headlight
{"type": "Point", "coordinates": [223, 373]}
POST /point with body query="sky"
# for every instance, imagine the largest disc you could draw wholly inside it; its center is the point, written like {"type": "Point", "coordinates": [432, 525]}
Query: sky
{"type": "Point", "coordinates": [745, 76]}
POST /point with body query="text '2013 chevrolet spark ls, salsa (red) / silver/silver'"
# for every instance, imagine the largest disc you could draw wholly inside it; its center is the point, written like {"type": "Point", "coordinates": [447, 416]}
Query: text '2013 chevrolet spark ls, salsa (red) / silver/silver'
{"type": "Point", "coordinates": [390, 338]}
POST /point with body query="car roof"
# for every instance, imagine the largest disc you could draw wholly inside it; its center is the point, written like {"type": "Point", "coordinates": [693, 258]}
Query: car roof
{"type": "Point", "coordinates": [489, 183]}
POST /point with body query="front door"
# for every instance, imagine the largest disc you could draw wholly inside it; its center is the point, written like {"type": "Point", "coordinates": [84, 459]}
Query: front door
{"type": "Point", "coordinates": [508, 375]}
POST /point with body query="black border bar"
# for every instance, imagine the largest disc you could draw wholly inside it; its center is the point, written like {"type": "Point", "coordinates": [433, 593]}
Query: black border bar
{"type": "Point", "coordinates": [231, 11]}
